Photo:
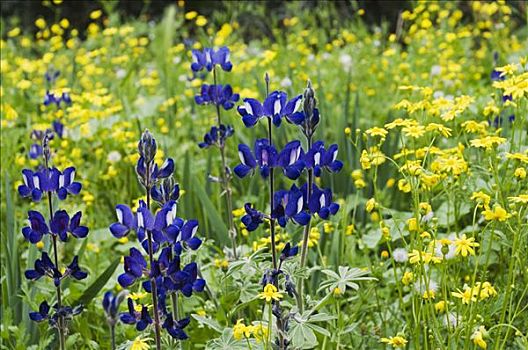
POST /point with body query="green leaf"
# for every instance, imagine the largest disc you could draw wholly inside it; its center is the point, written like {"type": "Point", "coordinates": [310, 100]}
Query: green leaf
{"type": "Point", "coordinates": [217, 223]}
{"type": "Point", "coordinates": [213, 324]}
{"type": "Point", "coordinates": [94, 289]}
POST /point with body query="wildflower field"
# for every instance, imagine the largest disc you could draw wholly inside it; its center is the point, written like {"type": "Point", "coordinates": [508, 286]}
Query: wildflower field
{"type": "Point", "coordinates": [261, 179]}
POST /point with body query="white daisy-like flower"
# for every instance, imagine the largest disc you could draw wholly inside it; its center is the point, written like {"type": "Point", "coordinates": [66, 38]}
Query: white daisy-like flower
{"type": "Point", "coordinates": [400, 255]}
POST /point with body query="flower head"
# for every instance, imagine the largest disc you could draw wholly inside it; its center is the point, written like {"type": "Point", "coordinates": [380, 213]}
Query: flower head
{"type": "Point", "coordinates": [208, 58]}
{"type": "Point", "coordinates": [270, 293]}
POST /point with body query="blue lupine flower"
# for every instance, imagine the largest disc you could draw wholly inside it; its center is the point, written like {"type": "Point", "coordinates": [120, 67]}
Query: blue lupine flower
{"type": "Point", "coordinates": [51, 75]}
{"type": "Point", "coordinates": [187, 280]}
{"type": "Point", "coordinates": [219, 95]}
{"type": "Point", "coordinates": [156, 173]}
{"type": "Point", "coordinates": [67, 185]}
{"type": "Point", "coordinates": [42, 314]}
{"type": "Point", "coordinates": [135, 265]}
{"type": "Point", "coordinates": [75, 228]}
{"type": "Point", "coordinates": [217, 136]}
{"type": "Point", "coordinates": [126, 221]}
{"type": "Point", "coordinates": [146, 222]}
{"type": "Point", "coordinates": [50, 98]}
{"type": "Point", "coordinates": [288, 251]}
{"type": "Point", "coordinates": [111, 304]}
{"type": "Point", "coordinates": [208, 58]}
{"type": "Point", "coordinates": [35, 151]}
{"type": "Point", "coordinates": [321, 203]}
{"type": "Point", "coordinates": [291, 205]}
{"type": "Point", "coordinates": [253, 218]}
{"type": "Point", "coordinates": [74, 270]}
{"type": "Point", "coordinates": [275, 106]}
{"type": "Point", "coordinates": [166, 191]}
{"type": "Point", "coordinates": [58, 127]}
{"type": "Point", "coordinates": [295, 205]}
{"type": "Point", "coordinates": [266, 158]}
{"type": "Point", "coordinates": [35, 183]}
{"type": "Point", "coordinates": [188, 234]}
{"type": "Point", "coordinates": [317, 158]}
{"type": "Point", "coordinates": [44, 267]}
{"type": "Point", "coordinates": [140, 319]}
{"type": "Point", "coordinates": [61, 225]}
{"type": "Point", "coordinates": [37, 227]}
{"type": "Point", "coordinates": [175, 328]}
{"type": "Point", "coordinates": [291, 160]}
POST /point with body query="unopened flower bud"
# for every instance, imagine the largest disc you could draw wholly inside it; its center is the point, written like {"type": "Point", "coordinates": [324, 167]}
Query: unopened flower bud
{"type": "Point", "coordinates": [147, 147]}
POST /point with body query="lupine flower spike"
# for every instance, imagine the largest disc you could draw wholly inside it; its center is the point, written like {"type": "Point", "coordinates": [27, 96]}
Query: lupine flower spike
{"type": "Point", "coordinates": [48, 182]}
{"type": "Point", "coordinates": [164, 239]}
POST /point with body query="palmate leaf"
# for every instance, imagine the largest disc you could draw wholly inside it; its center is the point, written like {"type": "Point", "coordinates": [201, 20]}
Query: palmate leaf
{"type": "Point", "coordinates": [226, 342]}
{"type": "Point", "coordinates": [94, 289]}
{"type": "Point", "coordinates": [303, 329]}
{"type": "Point", "coordinates": [211, 323]}
{"type": "Point", "coordinates": [346, 277]}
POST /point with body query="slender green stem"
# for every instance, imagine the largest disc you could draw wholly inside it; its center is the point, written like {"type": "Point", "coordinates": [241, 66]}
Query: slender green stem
{"type": "Point", "coordinates": [112, 336]}
{"type": "Point", "coordinates": [306, 234]}
{"type": "Point", "coordinates": [157, 326]}
{"type": "Point", "coordinates": [226, 181]}
{"type": "Point", "coordinates": [60, 322]}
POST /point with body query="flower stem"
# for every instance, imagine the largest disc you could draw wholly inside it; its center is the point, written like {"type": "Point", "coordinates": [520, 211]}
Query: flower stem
{"type": "Point", "coordinates": [306, 234]}
{"type": "Point", "coordinates": [112, 336]}
{"type": "Point", "coordinates": [225, 181]}
{"type": "Point", "coordinates": [60, 322]}
{"type": "Point", "coordinates": [153, 280]}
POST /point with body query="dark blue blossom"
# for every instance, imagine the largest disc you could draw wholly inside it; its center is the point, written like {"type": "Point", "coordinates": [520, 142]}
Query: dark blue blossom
{"type": "Point", "coordinates": [37, 227]}
{"type": "Point", "coordinates": [275, 106]}
{"type": "Point", "coordinates": [187, 281]}
{"type": "Point", "coordinates": [321, 203]}
{"type": "Point", "coordinates": [253, 218]}
{"type": "Point", "coordinates": [67, 184]}
{"type": "Point", "coordinates": [291, 205]}
{"type": "Point", "coordinates": [168, 190]}
{"type": "Point", "coordinates": [35, 151]}
{"type": "Point", "coordinates": [42, 314]}
{"type": "Point", "coordinates": [217, 136]}
{"type": "Point", "coordinates": [265, 158]}
{"type": "Point", "coordinates": [74, 270]}
{"type": "Point", "coordinates": [51, 75]}
{"type": "Point", "coordinates": [175, 328]}
{"type": "Point", "coordinates": [58, 127]}
{"type": "Point", "coordinates": [61, 224]}
{"type": "Point", "coordinates": [182, 234]}
{"type": "Point", "coordinates": [208, 58]}
{"type": "Point", "coordinates": [318, 158]}
{"type": "Point", "coordinates": [135, 265]}
{"type": "Point", "coordinates": [111, 304]}
{"type": "Point", "coordinates": [140, 319]}
{"type": "Point", "coordinates": [291, 160]}
{"type": "Point", "coordinates": [126, 221]}
{"type": "Point", "coordinates": [219, 95]}
{"type": "Point", "coordinates": [156, 173]}
{"type": "Point", "coordinates": [288, 251]}
{"type": "Point", "coordinates": [51, 98]}
{"type": "Point", "coordinates": [35, 183]}
{"type": "Point", "coordinates": [44, 267]}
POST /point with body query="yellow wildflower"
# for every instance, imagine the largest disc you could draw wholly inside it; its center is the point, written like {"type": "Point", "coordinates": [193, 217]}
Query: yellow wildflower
{"type": "Point", "coordinates": [478, 337]}
{"type": "Point", "coordinates": [464, 245]}
{"type": "Point", "coordinates": [497, 213]}
{"type": "Point", "coordinates": [270, 293]}
{"type": "Point", "coordinates": [396, 342]}
{"type": "Point", "coordinates": [240, 330]}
